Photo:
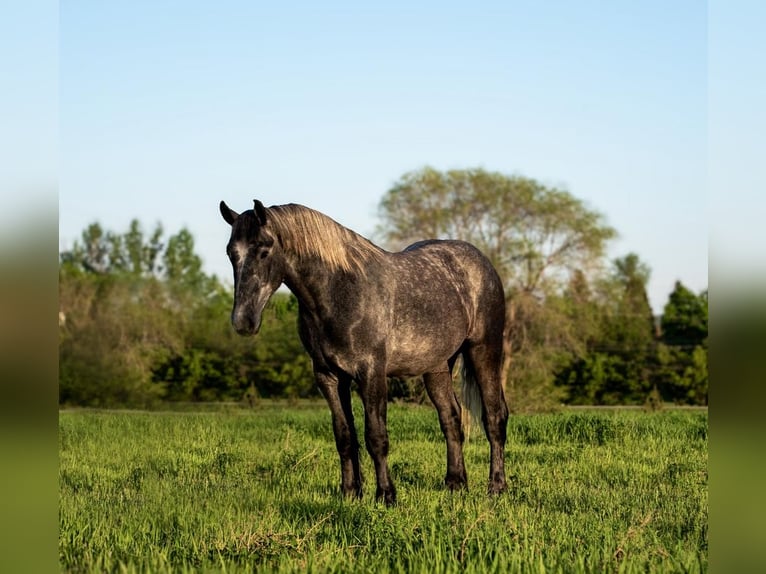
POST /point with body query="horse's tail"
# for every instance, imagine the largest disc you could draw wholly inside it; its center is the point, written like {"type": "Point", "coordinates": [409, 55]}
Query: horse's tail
{"type": "Point", "coordinates": [471, 396]}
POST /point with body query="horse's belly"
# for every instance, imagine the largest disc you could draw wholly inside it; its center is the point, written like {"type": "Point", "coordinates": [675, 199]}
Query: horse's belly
{"type": "Point", "coordinates": [415, 355]}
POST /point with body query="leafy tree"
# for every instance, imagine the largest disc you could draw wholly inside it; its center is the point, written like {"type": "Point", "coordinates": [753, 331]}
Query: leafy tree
{"type": "Point", "coordinates": [141, 254]}
{"type": "Point", "coordinates": [91, 254]}
{"type": "Point", "coordinates": [112, 337]}
{"type": "Point", "coordinates": [182, 267]}
{"type": "Point", "coordinates": [682, 374]}
{"type": "Point", "coordinates": [583, 375]}
{"type": "Point", "coordinates": [685, 317]}
{"type": "Point", "coordinates": [536, 237]}
{"type": "Point", "coordinates": [106, 252]}
{"type": "Point", "coordinates": [141, 322]}
{"type": "Point", "coordinates": [620, 343]}
{"type": "Point", "coordinates": [631, 329]}
{"type": "Point", "coordinates": [629, 334]}
{"type": "Point", "coordinates": [119, 322]}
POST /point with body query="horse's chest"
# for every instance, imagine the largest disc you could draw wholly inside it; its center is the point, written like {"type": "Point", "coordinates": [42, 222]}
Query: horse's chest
{"type": "Point", "coordinates": [341, 343]}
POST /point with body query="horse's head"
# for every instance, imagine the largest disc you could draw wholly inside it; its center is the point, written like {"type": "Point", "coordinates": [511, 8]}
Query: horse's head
{"type": "Point", "coordinates": [258, 266]}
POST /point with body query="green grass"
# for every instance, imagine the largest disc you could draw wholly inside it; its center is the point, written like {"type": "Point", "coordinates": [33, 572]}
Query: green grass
{"type": "Point", "coordinates": [239, 491]}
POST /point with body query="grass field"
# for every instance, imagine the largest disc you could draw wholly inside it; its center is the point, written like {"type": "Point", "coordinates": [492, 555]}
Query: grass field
{"type": "Point", "coordinates": [258, 490]}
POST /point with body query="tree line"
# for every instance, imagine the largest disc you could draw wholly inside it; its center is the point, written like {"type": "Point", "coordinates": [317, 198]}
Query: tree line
{"type": "Point", "coordinates": [140, 321]}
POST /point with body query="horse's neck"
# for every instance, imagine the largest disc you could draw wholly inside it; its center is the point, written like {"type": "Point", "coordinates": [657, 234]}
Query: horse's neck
{"type": "Point", "coordinates": [308, 281]}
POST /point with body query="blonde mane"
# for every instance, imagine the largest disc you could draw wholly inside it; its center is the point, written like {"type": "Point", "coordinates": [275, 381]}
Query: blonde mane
{"type": "Point", "coordinates": [308, 233]}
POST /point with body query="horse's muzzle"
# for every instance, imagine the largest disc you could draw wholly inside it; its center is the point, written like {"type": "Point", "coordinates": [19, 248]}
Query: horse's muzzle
{"type": "Point", "coordinates": [245, 324]}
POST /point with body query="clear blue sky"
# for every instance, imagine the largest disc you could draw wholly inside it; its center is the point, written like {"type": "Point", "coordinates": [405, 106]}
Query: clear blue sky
{"type": "Point", "coordinates": [168, 107]}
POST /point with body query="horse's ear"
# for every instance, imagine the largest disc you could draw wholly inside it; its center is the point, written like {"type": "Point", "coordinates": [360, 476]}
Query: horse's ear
{"type": "Point", "coordinates": [228, 214]}
{"type": "Point", "coordinates": [260, 211]}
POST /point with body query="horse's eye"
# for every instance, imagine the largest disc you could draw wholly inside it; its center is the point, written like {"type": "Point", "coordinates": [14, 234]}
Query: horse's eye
{"type": "Point", "coordinates": [264, 254]}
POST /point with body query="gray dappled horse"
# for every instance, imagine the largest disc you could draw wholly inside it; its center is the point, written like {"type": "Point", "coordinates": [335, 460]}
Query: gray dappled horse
{"type": "Point", "coordinates": [366, 313]}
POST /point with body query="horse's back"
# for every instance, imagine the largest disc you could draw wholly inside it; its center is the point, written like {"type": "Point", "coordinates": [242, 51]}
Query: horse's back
{"type": "Point", "coordinates": [462, 264]}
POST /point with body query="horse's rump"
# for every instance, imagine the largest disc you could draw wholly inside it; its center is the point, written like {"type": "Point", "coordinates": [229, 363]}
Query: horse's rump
{"type": "Point", "coordinates": [446, 293]}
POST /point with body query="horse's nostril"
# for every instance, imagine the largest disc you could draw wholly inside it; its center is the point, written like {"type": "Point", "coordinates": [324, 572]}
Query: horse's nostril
{"type": "Point", "coordinates": [245, 324]}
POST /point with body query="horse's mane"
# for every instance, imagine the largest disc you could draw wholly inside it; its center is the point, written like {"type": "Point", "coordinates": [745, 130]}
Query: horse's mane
{"type": "Point", "coordinates": [306, 233]}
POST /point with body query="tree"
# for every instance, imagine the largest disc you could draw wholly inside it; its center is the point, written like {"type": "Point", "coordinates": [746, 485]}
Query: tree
{"type": "Point", "coordinates": [115, 332]}
{"type": "Point", "coordinates": [683, 369]}
{"type": "Point", "coordinates": [107, 252]}
{"type": "Point", "coordinates": [629, 334]}
{"type": "Point", "coordinates": [182, 267]}
{"type": "Point", "coordinates": [143, 323]}
{"type": "Point", "coordinates": [685, 317]}
{"type": "Point", "coordinates": [536, 237]}
{"type": "Point", "coordinates": [630, 320]}
{"type": "Point", "coordinates": [119, 320]}
{"type": "Point", "coordinates": [117, 325]}
{"type": "Point", "coordinates": [617, 365]}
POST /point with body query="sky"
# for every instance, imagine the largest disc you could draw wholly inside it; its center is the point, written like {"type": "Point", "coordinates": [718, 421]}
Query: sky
{"type": "Point", "coordinates": [166, 108]}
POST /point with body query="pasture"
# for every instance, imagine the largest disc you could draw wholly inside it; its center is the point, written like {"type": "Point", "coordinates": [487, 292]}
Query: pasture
{"type": "Point", "coordinates": [236, 490]}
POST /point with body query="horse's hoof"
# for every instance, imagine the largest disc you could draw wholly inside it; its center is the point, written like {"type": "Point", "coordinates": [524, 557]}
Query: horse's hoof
{"type": "Point", "coordinates": [352, 492]}
{"type": "Point", "coordinates": [496, 489]}
{"type": "Point", "coordinates": [387, 496]}
{"type": "Point", "coordinates": [454, 483]}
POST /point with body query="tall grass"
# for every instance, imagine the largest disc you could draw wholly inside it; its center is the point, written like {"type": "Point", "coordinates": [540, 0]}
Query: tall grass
{"type": "Point", "coordinates": [258, 490]}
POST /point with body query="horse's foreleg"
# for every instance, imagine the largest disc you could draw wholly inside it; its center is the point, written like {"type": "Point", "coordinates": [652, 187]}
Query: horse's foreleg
{"type": "Point", "coordinates": [373, 393]}
{"type": "Point", "coordinates": [439, 387]}
{"type": "Point", "coordinates": [337, 393]}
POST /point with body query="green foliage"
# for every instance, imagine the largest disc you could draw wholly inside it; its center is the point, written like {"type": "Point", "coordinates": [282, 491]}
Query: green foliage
{"type": "Point", "coordinates": [140, 322]}
{"type": "Point", "coordinates": [682, 374]}
{"type": "Point", "coordinates": [682, 355]}
{"type": "Point", "coordinates": [543, 341]}
{"type": "Point", "coordinates": [685, 317]}
{"type": "Point", "coordinates": [634, 327]}
{"type": "Point", "coordinates": [627, 361]}
{"type": "Point", "coordinates": [243, 491]}
{"type": "Point", "coordinates": [115, 330]}
{"type": "Point", "coordinates": [628, 335]}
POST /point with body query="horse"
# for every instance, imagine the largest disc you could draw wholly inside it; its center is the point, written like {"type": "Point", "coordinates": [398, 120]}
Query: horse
{"type": "Point", "coordinates": [366, 314]}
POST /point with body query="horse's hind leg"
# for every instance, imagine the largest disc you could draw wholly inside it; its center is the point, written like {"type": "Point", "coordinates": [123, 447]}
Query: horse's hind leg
{"type": "Point", "coordinates": [485, 363]}
{"type": "Point", "coordinates": [439, 387]}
